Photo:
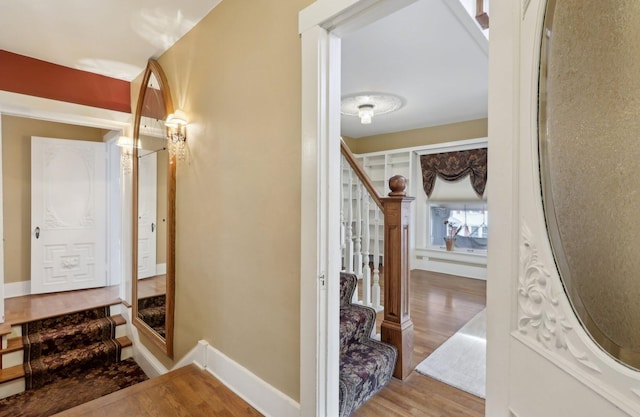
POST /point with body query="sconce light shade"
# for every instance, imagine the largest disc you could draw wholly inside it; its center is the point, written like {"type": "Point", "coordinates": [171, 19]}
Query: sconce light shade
{"type": "Point", "coordinates": [176, 119]}
{"type": "Point", "coordinates": [126, 143]}
{"type": "Point", "coordinates": [176, 125]}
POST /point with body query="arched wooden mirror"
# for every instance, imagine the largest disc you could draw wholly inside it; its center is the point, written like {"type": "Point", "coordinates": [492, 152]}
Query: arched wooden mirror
{"type": "Point", "coordinates": [154, 189]}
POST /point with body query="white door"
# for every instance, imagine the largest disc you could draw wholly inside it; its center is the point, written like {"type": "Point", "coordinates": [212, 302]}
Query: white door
{"type": "Point", "coordinates": [68, 215]}
{"type": "Point", "coordinates": [147, 213]}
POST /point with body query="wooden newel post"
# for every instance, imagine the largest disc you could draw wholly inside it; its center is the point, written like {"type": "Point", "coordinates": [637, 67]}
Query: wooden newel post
{"type": "Point", "coordinates": [397, 327]}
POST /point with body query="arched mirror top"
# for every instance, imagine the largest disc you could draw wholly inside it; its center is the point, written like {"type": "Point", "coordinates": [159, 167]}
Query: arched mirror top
{"type": "Point", "coordinates": [154, 102]}
{"type": "Point", "coordinates": [153, 255]}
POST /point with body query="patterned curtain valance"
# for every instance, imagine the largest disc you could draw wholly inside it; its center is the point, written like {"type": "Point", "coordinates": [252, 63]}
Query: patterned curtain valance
{"type": "Point", "coordinates": [452, 166]}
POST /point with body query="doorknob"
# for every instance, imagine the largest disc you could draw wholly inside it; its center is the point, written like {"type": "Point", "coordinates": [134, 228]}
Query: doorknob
{"type": "Point", "coordinates": [153, 226]}
{"type": "Point", "coordinates": [37, 232]}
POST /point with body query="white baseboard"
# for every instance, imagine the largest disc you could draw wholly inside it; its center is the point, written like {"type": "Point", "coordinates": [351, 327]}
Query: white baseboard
{"type": "Point", "coordinates": [463, 265]}
{"type": "Point", "coordinates": [258, 393]}
{"type": "Point", "coordinates": [17, 289]}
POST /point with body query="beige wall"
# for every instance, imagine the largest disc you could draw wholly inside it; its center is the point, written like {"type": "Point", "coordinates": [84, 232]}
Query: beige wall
{"type": "Point", "coordinates": [237, 76]}
{"type": "Point", "coordinates": [16, 173]}
{"type": "Point", "coordinates": [418, 137]}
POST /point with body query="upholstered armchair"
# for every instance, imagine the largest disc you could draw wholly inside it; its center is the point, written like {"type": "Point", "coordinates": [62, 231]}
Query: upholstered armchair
{"type": "Point", "coordinates": [366, 365]}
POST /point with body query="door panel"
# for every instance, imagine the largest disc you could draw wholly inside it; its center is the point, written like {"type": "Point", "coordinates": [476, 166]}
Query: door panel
{"type": "Point", "coordinates": [68, 215]}
{"type": "Point", "coordinates": [147, 214]}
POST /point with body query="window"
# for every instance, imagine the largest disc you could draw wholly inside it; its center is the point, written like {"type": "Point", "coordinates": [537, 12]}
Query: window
{"type": "Point", "coordinates": [469, 220]}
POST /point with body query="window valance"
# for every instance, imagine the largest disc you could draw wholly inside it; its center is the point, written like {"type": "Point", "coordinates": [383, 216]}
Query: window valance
{"type": "Point", "coordinates": [453, 166]}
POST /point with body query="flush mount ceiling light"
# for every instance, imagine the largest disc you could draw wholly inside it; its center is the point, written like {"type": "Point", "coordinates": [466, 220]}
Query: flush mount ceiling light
{"type": "Point", "coordinates": [365, 106]}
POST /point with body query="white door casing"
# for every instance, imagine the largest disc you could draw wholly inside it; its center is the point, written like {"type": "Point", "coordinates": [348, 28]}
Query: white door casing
{"type": "Point", "coordinates": [1, 233]}
{"type": "Point", "coordinates": [22, 105]}
{"type": "Point", "coordinates": [320, 193]}
{"type": "Point", "coordinates": [147, 214]}
{"type": "Point", "coordinates": [115, 258]}
{"type": "Point", "coordinates": [68, 215]}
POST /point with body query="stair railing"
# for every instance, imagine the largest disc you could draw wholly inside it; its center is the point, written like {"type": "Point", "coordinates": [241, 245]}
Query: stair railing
{"type": "Point", "coordinates": [394, 211]}
{"type": "Point", "coordinates": [361, 220]}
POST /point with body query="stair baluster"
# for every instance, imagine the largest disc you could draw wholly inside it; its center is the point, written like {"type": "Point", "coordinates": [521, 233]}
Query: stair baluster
{"type": "Point", "coordinates": [357, 258]}
{"type": "Point", "coordinates": [376, 263]}
{"type": "Point", "coordinates": [348, 253]}
{"type": "Point", "coordinates": [366, 273]}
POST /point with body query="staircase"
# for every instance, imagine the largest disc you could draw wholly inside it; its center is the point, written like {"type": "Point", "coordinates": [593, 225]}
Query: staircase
{"type": "Point", "coordinates": [54, 347]}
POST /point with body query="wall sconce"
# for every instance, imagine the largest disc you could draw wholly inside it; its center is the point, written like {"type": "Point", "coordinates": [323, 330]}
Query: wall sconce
{"type": "Point", "coordinates": [126, 153]}
{"type": "Point", "coordinates": [176, 126]}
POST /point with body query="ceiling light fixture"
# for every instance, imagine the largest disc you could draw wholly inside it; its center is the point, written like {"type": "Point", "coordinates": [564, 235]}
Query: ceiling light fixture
{"type": "Point", "coordinates": [365, 106]}
{"type": "Point", "coordinates": [365, 113]}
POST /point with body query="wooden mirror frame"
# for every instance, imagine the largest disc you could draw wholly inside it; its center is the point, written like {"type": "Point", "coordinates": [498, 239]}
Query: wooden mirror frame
{"type": "Point", "coordinates": [166, 343]}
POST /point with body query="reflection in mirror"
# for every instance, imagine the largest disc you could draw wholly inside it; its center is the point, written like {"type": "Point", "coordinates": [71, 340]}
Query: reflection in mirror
{"type": "Point", "coordinates": [154, 213]}
{"type": "Point", "coordinates": [153, 161]}
{"type": "Point", "coordinates": [588, 126]}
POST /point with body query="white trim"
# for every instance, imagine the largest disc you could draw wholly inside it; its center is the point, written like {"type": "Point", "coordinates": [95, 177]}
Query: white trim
{"type": "Point", "coordinates": [161, 269]}
{"type": "Point", "coordinates": [114, 209]}
{"type": "Point", "coordinates": [320, 192]}
{"type": "Point", "coordinates": [471, 26]}
{"type": "Point", "coordinates": [318, 322]}
{"type": "Point", "coordinates": [21, 105]}
{"type": "Point", "coordinates": [468, 265]}
{"type": "Point", "coordinates": [260, 395]}
{"type": "Point", "coordinates": [197, 356]}
{"type": "Point", "coordinates": [17, 289]}
{"type": "Point", "coordinates": [502, 253]}
{"type": "Point", "coordinates": [143, 356]}
{"type": "Point", "coordinates": [2, 287]}
{"type": "Point", "coordinates": [458, 145]}
{"type": "Point", "coordinates": [14, 104]}
{"type": "Point", "coordinates": [344, 16]}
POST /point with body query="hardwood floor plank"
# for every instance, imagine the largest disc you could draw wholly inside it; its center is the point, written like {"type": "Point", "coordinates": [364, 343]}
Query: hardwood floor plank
{"type": "Point", "coordinates": [188, 392]}
{"type": "Point", "coordinates": [440, 305]}
{"type": "Point", "coordinates": [26, 308]}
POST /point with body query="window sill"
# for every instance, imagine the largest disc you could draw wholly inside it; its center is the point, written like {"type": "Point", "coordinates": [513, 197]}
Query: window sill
{"type": "Point", "coordinates": [457, 255]}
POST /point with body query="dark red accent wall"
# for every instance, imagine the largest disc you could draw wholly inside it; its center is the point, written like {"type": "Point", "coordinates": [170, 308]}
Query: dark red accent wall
{"type": "Point", "coordinates": [24, 75]}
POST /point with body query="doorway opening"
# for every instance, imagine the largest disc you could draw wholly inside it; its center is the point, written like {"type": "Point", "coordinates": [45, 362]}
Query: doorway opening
{"type": "Point", "coordinates": [322, 152]}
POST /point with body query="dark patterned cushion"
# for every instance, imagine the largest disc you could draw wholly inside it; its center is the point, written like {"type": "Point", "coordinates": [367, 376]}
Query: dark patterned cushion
{"type": "Point", "coordinates": [348, 283]}
{"type": "Point", "coordinates": [366, 365]}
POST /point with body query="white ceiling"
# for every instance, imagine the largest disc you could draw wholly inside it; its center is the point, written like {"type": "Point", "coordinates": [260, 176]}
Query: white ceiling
{"type": "Point", "coordinates": [432, 53]}
{"type": "Point", "coordinates": [108, 37]}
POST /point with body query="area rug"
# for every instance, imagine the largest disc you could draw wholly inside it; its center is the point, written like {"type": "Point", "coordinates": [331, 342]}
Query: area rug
{"type": "Point", "coordinates": [73, 390]}
{"type": "Point", "coordinates": [461, 360]}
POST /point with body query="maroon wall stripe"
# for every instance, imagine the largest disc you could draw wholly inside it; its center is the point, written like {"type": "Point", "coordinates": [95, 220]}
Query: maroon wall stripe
{"type": "Point", "coordinates": [24, 75]}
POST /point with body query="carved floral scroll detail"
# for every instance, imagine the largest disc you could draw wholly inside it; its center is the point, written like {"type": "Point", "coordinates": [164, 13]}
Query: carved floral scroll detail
{"type": "Point", "coordinates": [540, 312]}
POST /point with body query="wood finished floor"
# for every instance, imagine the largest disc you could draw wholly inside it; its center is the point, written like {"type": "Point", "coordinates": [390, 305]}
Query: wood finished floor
{"type": "Point", "coordinates": [188, 391]}
{"type": "Point", "coordinates": [440, 305]}
{"type": "Point", "coordinates": [149, 287]}
{"type": "Point", "coordinates": [34, 307]}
